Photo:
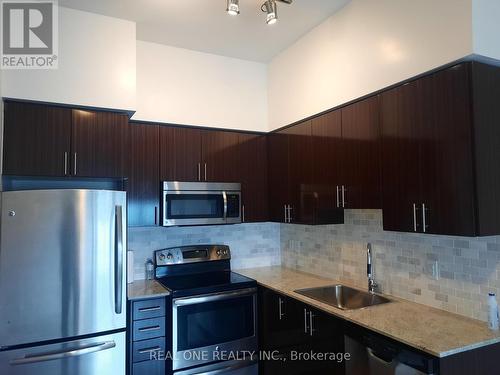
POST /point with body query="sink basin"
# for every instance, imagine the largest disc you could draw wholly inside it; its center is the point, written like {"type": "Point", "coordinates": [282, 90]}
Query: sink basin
{"type": "Point", "coordinates": [343, 297]}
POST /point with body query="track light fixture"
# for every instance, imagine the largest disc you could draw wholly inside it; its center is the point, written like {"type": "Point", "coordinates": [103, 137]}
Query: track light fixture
{"type": "Point", "coordinates": [233, 7]}
{"type": "Point", "coordinates": [269, 7]}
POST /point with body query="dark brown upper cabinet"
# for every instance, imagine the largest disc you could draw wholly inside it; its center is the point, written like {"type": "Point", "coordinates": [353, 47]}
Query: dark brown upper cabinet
{"type": "Point", "coordinates": [143, 175]}
{"type": "Point", "coordinates": [180, 154]}
{"type": "Point", "coordinates": [98, 144]}
{"type": "Point", "coordinates": [440, 143]}
{"type": "Point", "coordinates": [360, 159]}
{"type": "Point", "coordinates": [253, 177]}
{"type": "Point", "coordinates": [37, 140]}
{"type": "Point", "coordinates": [220, 156]}
{"type": "Point", "coordinates": [279, 192]}
{"type": "Point", "coordinates": [43, 140]}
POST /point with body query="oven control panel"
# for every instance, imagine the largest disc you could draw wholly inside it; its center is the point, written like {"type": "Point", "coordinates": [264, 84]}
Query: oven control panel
{"type": "Point", "coordinates": [192, 254]}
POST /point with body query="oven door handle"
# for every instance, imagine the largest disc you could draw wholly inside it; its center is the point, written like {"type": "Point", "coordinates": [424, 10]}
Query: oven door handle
{"type": "Point", "coordinates": [221, 370]}
{"type": "Point", "coordinates": [214, 297]}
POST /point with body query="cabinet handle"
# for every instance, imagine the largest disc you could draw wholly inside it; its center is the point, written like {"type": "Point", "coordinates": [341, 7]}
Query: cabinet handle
{"type": "Point", "coordinates": [199, 171]}
{"type": "Point", "coordinates": [149, 350]}
{"type": "Point", "coordinates": [343, 196]}
{"type": "Point", "coordinates": [311, 329]}
{"type": "Point", "coordinates": [280, 308]}
{"type": "Point", "coordinates": [148, 329]}
{"type": "Point", "coordinates": [148, 309]}
{"type": "Point", "coordinates": [243, 213]}
{"type": "Point", "coordinates": [205, 171]}
{"type": "Point", "coordinates": [156, 215]}
{"type": "Point", "coordinates": [74, 166]}
{"type": "Point", "coordinates": [65, 163]}
{"type": "Point", "coordinates": [424, 221]}
{"type": "Point", "coordinates": [306, 329]}
{"type": "Point", "coordinates": [414, 217]}
{"type": "Point", "coordinates": [338, 197]}
{"type": "Point", "coordinates": [289, 213]}
{"type": "Point", "coordinates": [286, 217]}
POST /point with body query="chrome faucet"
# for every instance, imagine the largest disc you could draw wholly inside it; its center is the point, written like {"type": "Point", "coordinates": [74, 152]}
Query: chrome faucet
{"type": "Point", "coordinates": [372, 285]}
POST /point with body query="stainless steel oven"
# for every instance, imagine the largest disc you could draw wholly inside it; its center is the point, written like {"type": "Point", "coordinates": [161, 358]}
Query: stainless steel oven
{"type": "Point", "coordinates": [204, 327]}
{"type": "Point", "coordinates": [201, 203]}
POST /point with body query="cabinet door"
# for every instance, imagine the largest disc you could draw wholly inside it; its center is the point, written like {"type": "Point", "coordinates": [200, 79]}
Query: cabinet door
{"type": "Point", "coordinates": [446, 153]}
{"type": "Point", "coordinates": [220, 156]}
{"type": "Point", "coordinates": [180, 154]}
{"type": "Point", "coordinates": [300, 172]}
{"type": "Point", "coordinates": [400, 127]}
{"type": "Point", "coordinates": [361, 154]}
{"type": "Point", "coordinates": [36, 140]}
{"type": "Point", "coordinates": [98, 144]}
{"type": "Point", "coordinates": [143, 179]}
{"type": "Point", "coordinates": [282, 322]}
{"type": "Point", "coordinates": [278, 175]}
{"type": "Point", "coordinates": [253, 177]}
{"type": "Point", "coordinates": [327, 161]}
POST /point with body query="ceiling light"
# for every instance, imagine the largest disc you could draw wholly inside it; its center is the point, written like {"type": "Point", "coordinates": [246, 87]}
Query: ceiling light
{"type": "Point", "coordinates": [233, 7]}
{"type": "Point", "coordinates": [271, 9]}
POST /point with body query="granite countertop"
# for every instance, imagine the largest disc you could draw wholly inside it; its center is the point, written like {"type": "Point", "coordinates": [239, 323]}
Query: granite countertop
{"type": "Point", "coordinates": [437, 332]}
{"type": "Point", "coordinates": [144, 289]}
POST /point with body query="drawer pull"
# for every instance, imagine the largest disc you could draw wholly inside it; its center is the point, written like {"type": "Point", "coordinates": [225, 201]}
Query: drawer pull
{"type": "Point", "coordinates": [148, 329]}
{"type": "Point", "coordinates": [150, 350]}
{"type": "Point", "coordinates": [147, 309]}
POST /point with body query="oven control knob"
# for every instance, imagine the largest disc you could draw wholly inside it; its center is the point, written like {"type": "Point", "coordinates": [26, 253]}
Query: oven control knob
{"type": "Point", "coordinates": [219, 252]}
{"type": "Point", "coordinates": [162, 256]}
{"type": "Point", "coordinates": [224, 252]}
{"type": "Point", "coordinates": [169, 256]}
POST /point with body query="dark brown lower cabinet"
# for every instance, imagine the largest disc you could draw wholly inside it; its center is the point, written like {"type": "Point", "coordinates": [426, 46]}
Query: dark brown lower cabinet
{"type": "Point", "coordinates": [143, 188]}
{"type": "Point", "coordinates": [293, 333]}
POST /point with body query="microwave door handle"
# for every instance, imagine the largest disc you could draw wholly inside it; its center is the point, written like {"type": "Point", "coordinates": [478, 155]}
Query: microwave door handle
{"type": "Point", "coordinates": [224, 197]}
{"type": "Point", "coordinates": [214, 297]}
{"type": "Point", "coordinates": [118, 259]}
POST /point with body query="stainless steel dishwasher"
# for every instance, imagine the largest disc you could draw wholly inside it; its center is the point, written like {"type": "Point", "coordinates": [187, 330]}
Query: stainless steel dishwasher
{"type": "Point", "coordinates": [372, 355]}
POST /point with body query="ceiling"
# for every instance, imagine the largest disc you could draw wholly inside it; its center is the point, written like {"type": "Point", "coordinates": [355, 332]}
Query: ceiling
{"type": "Point", "coordinates": [203, 25]}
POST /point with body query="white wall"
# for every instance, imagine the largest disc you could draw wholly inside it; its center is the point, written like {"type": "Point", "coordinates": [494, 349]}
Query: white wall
{"type": "Point", "coordinates": [97, 65]}
{"type": "Point", "coordinates": [364, 47]}
{"type": "Point", "coordinates": [181, 86]}
{"type": "Point", "coordinates": [486, 24]}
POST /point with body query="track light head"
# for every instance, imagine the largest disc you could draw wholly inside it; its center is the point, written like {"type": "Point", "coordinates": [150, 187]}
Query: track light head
{"type": "Point", "coordinates": [233, 7]}
{"type": "Point", "coordinates": [271, 9]}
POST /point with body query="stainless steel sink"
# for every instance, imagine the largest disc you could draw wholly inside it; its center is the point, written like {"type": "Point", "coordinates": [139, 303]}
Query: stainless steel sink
{"type": "Point", "coordinates": [343, 297]}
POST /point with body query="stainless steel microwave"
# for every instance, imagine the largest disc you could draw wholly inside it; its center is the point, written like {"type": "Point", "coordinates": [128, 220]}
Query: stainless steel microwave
{"type": "Point", "coordinates": [201, 203]}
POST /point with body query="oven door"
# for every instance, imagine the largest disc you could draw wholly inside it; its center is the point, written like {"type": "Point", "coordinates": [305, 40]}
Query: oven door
{"type": "Point", "coordinates": [205, 327]}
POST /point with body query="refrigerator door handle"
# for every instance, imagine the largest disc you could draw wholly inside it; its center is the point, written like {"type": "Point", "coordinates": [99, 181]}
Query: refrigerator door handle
{"type": "Point", "coordinates": [118, 259]}
{"type": "Point", "coordinates": [63, 354]}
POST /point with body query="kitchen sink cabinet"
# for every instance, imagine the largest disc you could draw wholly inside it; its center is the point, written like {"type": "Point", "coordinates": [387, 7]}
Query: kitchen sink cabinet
{"type": "Point", "coordinates": [292, 331]}
{"type": "Point", "coordinates": [143, 188]}
{"type": "Point", "coordinates": [253, 177]}
{"type": "Point", "coordinates": [42, 140]}
{"type": "Point", "coordinates": [439, 140]}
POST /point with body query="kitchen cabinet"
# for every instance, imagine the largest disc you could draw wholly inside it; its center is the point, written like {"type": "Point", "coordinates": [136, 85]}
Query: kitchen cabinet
{"type": "Point", "coordinates": [52, 141]}
{"type": "Point", "coordinates": [289, 328]}
{"type": "Point", "coordinates": [360, 155]}
{"type": "Point", "coordinates": [143, 188]}
{"type": "Point", "coordinates": [279, 193]}
{"type": "Point", "coordinates": [98, 144]}
{"type": "Point", "coordinates": [439, 140]}
{"type": "Point", "coordinates": [253, 177]}
{"type": "Point", "coordinates": [220, 156]}
{"type": "Point", "coordinates": [37, 140]}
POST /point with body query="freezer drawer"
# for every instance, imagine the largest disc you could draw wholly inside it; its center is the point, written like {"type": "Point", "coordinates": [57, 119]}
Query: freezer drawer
{"type": "Point", "coordinates": [97, 355]}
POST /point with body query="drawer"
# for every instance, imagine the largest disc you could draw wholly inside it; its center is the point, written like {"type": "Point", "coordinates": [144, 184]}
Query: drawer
{"type": "Point", "coordinates": [142, 349]}
{"type": "Point", "coordinates": [149, 368]}
{"type": "Point", "coordinates": [148, 329]}
{"type": "Point", "coordinates": [150, 308]}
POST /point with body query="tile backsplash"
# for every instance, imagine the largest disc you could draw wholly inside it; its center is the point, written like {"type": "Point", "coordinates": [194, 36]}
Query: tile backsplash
{"type": "Point", "coordinates": [252, 244]}
{"type": "Point", "coordinates": [450, 273]}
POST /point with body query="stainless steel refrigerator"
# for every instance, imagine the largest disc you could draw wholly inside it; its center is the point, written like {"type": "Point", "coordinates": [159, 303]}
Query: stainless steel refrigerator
{"type": "Point", "coordinates": [62, 282]}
